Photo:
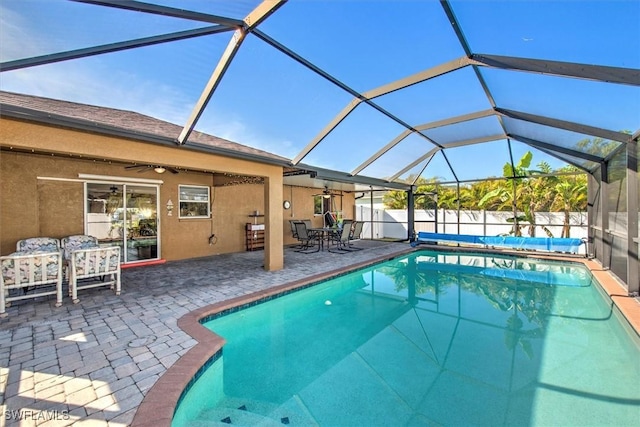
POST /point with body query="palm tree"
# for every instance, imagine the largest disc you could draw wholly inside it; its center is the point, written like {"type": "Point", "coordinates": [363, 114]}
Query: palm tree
{"type": "Point", "coordinates": [523, 193]}
{"type": "Point", "coordinates": [395, 199]}
{"type": "Point", "coordinates": [571, 195]}
{"type": "Point", "coordinates": [447, 197]}
{"type": "Point", "coordinates": [470, 195]}
{"type": "Point", "coordinates": [425, 190]}
{"type": "Point", "coordinates": [537, 195]}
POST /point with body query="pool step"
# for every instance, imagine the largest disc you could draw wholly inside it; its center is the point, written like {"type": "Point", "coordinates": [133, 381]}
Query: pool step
{"type": "Point", "coordinates": [236, 417]}
{"type": "Point", "coordinates": [243, 412]}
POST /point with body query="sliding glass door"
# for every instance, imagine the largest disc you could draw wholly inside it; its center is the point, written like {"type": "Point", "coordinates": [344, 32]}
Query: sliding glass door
{"type": "Point", "coordinates": [125, 215]}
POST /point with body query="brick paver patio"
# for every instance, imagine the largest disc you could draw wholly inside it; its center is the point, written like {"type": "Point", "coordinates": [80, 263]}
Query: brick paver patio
{"type": "Point", "coordinates": [92, 363]}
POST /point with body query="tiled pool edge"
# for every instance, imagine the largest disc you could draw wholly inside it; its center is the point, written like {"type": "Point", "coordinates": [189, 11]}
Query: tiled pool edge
{"type": "Point", "coordinates": [159, 404]}
{"type": "Point", "coordinates": [628, 306]}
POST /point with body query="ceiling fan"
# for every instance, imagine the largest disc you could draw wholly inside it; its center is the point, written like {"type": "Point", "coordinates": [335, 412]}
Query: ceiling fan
{"type": "Point", "coordinates": [156, 168]}
{"type": "Point", "coordinates": [326, 193]}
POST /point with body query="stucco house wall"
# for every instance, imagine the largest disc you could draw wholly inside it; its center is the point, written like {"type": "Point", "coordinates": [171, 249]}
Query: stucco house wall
{"type": "Point", "coordinates": [42, 195]}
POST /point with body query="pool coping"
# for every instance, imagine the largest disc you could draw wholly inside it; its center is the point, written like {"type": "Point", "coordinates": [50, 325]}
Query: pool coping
{"type": "Point", "coordinates": [159, 404]}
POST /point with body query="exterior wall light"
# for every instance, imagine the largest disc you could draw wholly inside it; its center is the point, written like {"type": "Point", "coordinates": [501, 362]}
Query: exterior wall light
{"type": "Point", "coordinates": [169, 208]}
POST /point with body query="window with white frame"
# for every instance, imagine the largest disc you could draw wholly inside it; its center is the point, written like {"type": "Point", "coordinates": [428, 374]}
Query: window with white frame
{"type": "Point", "coordinates": [317, 205]}
{"type": "Point", "coordinates": [322, 203]}
{"type": "Point", "coordinates": [194, 201]}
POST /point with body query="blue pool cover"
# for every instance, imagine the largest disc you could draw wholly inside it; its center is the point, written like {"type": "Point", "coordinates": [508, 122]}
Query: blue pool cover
{"type": "Point", "coordinates": [553, 244]}
{"type": "Point", "coordinates": [574, 277]}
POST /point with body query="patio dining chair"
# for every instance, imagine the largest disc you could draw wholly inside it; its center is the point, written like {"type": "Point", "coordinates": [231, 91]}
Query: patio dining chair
{"type": "Point", "coordinates": [329, 220]}
{"type": "Point", "coordinates": [294, 232]}
{"type": "Point", "coordinates": [307, 239]}
{"type": "Point", "coordinates": [356, 231]}
{"type": "Point", "coordinates": [341, 238]}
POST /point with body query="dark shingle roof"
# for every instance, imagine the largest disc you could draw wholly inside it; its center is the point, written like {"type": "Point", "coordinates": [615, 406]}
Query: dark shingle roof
{"type": "Point", "coordinates": [133, 123]}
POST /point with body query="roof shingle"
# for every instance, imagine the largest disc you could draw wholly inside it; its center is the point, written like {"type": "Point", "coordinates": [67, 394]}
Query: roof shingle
{"type": "Point", "coordinates": [122, 119]}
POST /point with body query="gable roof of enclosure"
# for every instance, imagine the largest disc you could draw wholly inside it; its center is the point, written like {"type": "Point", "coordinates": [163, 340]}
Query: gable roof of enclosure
{"type": "Point", "coordinates": [372, 92]}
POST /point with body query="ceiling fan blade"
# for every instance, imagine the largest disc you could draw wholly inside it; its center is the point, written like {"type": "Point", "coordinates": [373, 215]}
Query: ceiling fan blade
{"type": "Point", "coordinates": [172, 170]}
{"type": "Point", "coordinates": [136, 166]}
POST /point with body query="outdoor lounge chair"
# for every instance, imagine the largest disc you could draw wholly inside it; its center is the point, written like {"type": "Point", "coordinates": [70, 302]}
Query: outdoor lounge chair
{"type": "Point", "coordinates": [307, 239]}
{"type": "Point", "coordinates": [38, 244]}
{"type": "Point", "coordinates": [37, 262]}
{"type": "Point", "coordinates": [94, 263]}
{"type": "Point", "coordinates": [74, 243]}
{"type": "Point", "coordinates": [341, 238]}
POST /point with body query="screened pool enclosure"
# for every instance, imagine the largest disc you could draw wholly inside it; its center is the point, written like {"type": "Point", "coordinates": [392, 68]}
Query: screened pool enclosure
{"type": "Point", "coordinates": [366, 95]}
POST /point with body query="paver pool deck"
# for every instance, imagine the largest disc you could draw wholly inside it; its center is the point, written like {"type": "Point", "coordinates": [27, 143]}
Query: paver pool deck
{"type": "Point", "coordinates": [92, 363]}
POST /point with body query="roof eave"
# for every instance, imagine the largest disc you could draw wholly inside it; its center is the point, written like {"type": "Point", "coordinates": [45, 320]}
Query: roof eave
{"type": "Point", "coordinates": [7, 110]}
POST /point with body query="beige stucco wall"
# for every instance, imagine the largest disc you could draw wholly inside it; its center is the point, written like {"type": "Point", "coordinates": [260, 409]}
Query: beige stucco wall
{"type": "Point", "coordinates": [302, 208]}
{"type": "Point", "coordinates": [32, 207]}
{"type": "Point", "coordinates": [42, 207]}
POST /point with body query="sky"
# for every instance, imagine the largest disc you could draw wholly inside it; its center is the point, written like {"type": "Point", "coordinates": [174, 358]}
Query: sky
{"type": "Point", "coordinates": [268, 101]}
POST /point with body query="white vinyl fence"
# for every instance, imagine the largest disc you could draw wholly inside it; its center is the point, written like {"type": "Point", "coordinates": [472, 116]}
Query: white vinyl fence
{"type": "Point", "coordinates": [392, 223]}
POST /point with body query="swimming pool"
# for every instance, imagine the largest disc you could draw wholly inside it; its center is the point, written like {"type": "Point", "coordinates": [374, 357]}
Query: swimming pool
{"type": "Point", "coordinates": [429, 338]}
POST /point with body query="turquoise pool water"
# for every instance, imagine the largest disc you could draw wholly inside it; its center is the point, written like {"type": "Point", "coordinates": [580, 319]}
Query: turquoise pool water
{"type": "Point", "coordinates": [427, 339]}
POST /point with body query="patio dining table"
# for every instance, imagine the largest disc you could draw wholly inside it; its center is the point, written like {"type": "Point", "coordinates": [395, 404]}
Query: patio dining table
{"type": "Point", "coordinates": [324, 233]}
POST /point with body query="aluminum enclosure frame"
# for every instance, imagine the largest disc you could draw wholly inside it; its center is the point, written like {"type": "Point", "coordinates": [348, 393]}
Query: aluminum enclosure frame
{"type": "Point", "coordinates": [249, 26]}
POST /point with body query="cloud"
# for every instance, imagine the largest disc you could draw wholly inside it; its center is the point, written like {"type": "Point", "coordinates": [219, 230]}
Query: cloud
{"type": "Point", "coordinates": [76, 82]}
{"type": "Point", "coordinates": [89, 80]}
{"type": "Point", "coordinates": [233, 127]}
{"type": "Point", "coordinates": [15, 41]}
{"type": "Point", "coordinates": [103, 80]}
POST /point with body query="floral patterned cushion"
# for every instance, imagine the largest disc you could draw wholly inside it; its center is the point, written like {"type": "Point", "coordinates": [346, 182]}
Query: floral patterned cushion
{"type": "Point", "coordinates": [42, 244]}
{"type": "Point", "coordinates": [45, 267]}
{"type": "Point", "coordinates": [95, 261]}
{"type": "Point", "coordinates": [81, 241]}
